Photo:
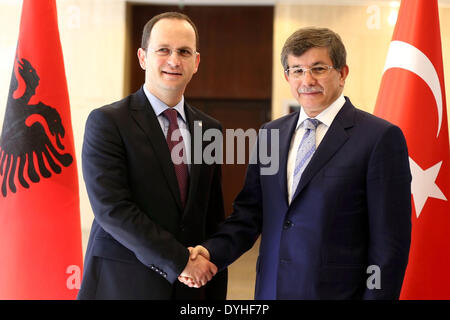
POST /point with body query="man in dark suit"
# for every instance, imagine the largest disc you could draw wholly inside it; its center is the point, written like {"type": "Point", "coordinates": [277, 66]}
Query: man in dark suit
{"type": "Point", "coordinates": [335, 219]}
{"type": "Point", "coordinates": [148, 205]}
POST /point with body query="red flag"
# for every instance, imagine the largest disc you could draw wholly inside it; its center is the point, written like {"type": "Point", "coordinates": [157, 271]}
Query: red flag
{"type": "Point", "coordinates": [412, 95]}
{"type": "Point", "coordinates": [40, 234]}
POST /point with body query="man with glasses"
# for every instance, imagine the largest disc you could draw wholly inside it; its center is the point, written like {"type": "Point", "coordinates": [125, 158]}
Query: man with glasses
{"type": "Point", "coordinates": [150, 201]}
{"type": "Point", "coordinates": [335, 220]}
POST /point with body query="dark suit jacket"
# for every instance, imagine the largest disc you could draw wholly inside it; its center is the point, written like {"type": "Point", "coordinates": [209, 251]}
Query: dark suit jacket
{"type": "Point", "coordinates": [138, 240]}
{"type": "Point", "coordinates": [351, 210]}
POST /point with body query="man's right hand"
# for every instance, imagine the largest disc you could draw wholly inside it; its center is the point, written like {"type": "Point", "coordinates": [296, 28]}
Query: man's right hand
{"type": "Point", "coordinates": [199, 270]}
{"type": "Point", "coordinates": [199, 250]}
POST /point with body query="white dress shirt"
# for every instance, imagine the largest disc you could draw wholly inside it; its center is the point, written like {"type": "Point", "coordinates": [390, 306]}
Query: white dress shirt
{"type": "Point", "coordinates": [159, 107]}
{"type": "Point", "coordinates": [326, 117]}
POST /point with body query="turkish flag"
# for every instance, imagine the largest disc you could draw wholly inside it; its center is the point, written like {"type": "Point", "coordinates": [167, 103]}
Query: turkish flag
{"type": "Point", "coordinates": [412, 96]}
{"type": "Point", "coordinates": [40, 233]}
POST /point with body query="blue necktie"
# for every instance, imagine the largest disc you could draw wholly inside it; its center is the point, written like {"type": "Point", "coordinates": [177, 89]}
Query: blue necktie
{"type": "Point", "coordinates": [305, 151]}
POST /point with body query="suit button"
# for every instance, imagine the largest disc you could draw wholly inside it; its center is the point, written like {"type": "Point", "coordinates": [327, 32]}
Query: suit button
{"type": "Point", "coordinates": [287, 224]}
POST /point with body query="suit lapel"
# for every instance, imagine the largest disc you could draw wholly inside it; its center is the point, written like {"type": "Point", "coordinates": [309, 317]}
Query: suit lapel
{"type": "Point", "coordinates": [333, 140]}
{"type": "Point", "coordinates": [143, 114]}
{"type": "Point", "coordinates": [195, 125]}
{"type": "Point", "coordinates": [286, 132]}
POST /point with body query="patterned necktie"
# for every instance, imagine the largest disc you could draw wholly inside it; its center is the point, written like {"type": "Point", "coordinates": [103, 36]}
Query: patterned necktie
{"type": "Point", "coordinates": [181, 169]}
{"type": "Point", "coordinates": [305, 151]}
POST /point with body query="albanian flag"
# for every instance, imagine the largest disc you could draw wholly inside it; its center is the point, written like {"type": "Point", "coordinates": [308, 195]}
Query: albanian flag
{"type": "Point", "coordinates": [40, 234]}
{"type": "Point", "coordinates": [412, 95]}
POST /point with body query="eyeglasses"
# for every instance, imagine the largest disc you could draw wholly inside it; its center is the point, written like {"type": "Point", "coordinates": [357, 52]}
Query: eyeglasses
{"type": "Point", "coordinates": [318, 72]}
{"type": "Point", "coordinates": [167, 52]}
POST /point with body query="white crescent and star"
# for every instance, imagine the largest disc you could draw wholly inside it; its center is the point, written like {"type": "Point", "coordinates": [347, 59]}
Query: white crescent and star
{"type": "Point", "coordinates": [405, 56]}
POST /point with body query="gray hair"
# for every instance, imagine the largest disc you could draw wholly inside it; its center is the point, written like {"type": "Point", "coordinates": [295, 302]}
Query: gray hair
{"type": "Point", "coordinates": [312, 37]}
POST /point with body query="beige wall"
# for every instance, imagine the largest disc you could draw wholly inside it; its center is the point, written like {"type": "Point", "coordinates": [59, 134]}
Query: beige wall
{"type": "Point", "coordinates": [93, 41]}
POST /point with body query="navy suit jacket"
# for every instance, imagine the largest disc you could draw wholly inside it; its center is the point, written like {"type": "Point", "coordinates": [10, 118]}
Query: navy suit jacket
{"type": "Point", "coordinates": [351, 210]}
{"type": "Point", "coordinates": [138, 240]}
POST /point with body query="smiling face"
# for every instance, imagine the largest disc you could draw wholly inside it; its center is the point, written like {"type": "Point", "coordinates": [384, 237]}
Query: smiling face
{"type": "Point", "coordinates": [315, 95]}
{"type": "Point", "coordinates": [166, 77]}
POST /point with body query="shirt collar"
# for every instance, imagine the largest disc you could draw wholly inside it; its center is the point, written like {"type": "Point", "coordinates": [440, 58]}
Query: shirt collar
{"type": "Point", "coordinates": [326, 116]}
{"type": "Point", "coordinates": [159, 106]}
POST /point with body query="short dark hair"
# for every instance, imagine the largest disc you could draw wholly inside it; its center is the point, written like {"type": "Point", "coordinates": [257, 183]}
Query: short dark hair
{"type": "Point", "coordinates": [312, 37]}
{"type": "Point", "coordinates": [166, 15]}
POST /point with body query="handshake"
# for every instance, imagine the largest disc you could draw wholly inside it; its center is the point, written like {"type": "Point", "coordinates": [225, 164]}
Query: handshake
{"type": "Point", "coordinates": [199, 270]}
